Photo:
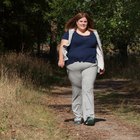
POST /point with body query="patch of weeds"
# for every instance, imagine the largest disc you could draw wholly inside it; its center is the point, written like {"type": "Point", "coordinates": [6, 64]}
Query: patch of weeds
{"type": "Point", "coordinates": [128, 112]}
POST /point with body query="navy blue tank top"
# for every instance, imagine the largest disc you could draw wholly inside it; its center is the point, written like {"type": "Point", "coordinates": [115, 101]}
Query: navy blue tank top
{"type": "Point", "coordinates": [82, 48]}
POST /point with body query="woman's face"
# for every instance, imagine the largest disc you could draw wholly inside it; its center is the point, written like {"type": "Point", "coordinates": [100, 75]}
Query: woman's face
{"type": "Point", "coordinates": [82, 24]}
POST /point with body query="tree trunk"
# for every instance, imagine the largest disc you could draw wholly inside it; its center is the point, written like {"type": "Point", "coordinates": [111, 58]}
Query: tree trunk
{"type": "Point", "coordinates": [38, 47]}
{"type": "Point", "coordinates": [123, 54]}
{"type": "Point", "coordinates": [53, 43]}
{"type": "Point", "coordinates": [53, 52]}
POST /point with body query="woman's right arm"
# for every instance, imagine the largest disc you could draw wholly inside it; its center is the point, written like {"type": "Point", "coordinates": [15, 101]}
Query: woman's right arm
{"type": "Point", "coordinates": [61, 62]}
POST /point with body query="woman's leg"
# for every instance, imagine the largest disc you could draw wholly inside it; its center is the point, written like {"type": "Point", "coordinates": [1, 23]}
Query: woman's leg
{"type": "Point", "coordinates": [82, 76]}
{"type": "Point", "coordinates": [75, 78]}
{"type": "Point", "coordinates": [88, 79]}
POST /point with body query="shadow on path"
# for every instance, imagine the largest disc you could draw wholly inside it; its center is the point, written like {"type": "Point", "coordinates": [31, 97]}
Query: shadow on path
{"type": "Point", "coordinates": [108, 93]}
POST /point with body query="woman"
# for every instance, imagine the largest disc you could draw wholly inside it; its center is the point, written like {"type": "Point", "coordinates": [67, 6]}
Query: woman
{"type": "Point", "coordinates": [84, 58]}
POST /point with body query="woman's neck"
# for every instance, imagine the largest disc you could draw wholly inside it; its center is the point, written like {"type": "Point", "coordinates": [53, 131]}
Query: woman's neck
{"type": "Point", "coordinates": [83, 32]}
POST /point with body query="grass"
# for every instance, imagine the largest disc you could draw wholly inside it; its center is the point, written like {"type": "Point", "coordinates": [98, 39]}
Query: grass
{"type": "Point", "coordinates": [123, 102]}
{"type": "Point", "coordinates": [24, 114]}
{"type": "Point", "coordinates": [128, 70]}
{"type": "Point", "coordinates": [128, 112]}
{"type": "Point", "coordinates": [31, 70]}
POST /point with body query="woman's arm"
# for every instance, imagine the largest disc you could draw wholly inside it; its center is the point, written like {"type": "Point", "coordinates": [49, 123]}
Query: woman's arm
{"type": "Point", "coordinates": [61, 62]}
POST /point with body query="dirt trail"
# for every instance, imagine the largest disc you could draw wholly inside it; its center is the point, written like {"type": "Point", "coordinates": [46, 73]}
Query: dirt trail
{"type": "Point", "coordinates": [107, 126]}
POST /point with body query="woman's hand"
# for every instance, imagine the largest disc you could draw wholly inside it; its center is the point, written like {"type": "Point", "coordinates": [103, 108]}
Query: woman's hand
{"type": "Point", "coordinates": [61, 63]}
{"type": "Point", "coordinates": [102, 71]}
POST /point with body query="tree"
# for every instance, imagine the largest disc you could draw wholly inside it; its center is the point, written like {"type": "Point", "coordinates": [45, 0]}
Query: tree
{"type": "Point", "coordinates": [24, 23]}
{"type": "Point", "coordinates": [119, 23]}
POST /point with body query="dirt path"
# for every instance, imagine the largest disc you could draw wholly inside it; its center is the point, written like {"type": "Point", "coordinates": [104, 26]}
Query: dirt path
{"type": "Point", "coordinates": [107, 126]}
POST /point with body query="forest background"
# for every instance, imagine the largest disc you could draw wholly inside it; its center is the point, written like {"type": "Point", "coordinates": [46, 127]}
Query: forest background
{"type": "Point", "coordinates": [30, 31]}
{"type": "Point", "coordinates": [36, 27]}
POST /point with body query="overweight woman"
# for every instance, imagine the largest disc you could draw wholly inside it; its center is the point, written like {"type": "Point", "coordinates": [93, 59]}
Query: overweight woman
{"type": "Point", "coordinates": [81, 52]}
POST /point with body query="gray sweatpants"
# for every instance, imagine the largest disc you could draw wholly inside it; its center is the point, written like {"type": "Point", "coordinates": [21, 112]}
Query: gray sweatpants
{"type": "Point", "coordinates": [82, 76]}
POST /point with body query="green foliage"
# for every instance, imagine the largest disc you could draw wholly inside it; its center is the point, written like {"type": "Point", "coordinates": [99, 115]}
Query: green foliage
{"type": "Point", "coordinates": [61, 10]}
{"type": "Point", "coordinates": [7, 3]}
{"type": "Point", "coordinates": [118, 22]}
{"type": "Point", "coordinates": [25, 23]}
